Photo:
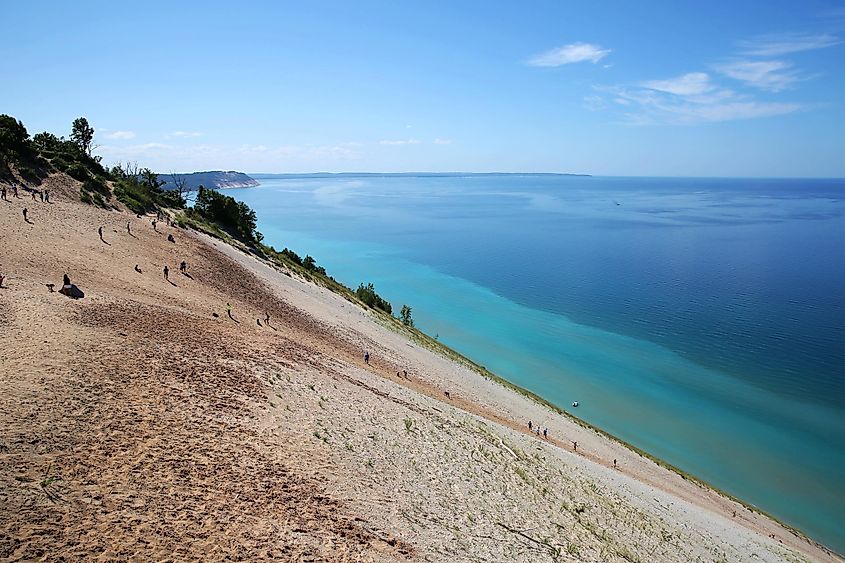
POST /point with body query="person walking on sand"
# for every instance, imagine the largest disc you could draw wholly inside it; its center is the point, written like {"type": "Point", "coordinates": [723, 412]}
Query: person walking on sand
{"type": "Point", "coordinates": [183, 267]}
{"type": "Point", "coordinates": [530, 425]}
{"type": "Point", "coordinates": [229, 311]}
{"type": "Point", "coordinates": [166, 272]}
{"type": "Point", "coordinates": [42, 196]}
{"type": "Point", "coordinates": [575, 446]}
{"type": "Point", "coordinates": [33, 196]}
{"type": "Point", "coordinates": [15, 190]}
{"type": "Point", "coordinates": [100, 232]}
{"type": "Point", "coordinates": [128, 230]}
{"type": "Point", "coordinates": [3, 193]}
{"type": "Point", "coordinates": [25, 218]}
{"type": "Point", "coordinates": [266, 318]}
{"type": "Point", "coordinates": [46, 196]}
{"type": "Point", "coordinates": [154, 225]}
{"type": "Point", "coordinates": [614, 467]}
{"type": "Point", "coordinates": [367, 358]}
{"type": "Point", "coordinates": [546, 433]}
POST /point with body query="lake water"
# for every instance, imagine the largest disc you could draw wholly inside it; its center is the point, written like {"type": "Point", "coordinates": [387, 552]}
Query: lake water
{"type": "Point", "coordinates": [702, 320]}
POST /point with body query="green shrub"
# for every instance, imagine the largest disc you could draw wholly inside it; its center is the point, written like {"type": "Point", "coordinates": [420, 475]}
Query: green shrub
{"type": "Point", "coordinates": [405, 315]}
{"type": "Point", "coordinates": [77, 171]}
{"type": "Point", "coordinates": [232, 215]}
{"type": "Point", "coordinates": [367, 294]}
{"type": "Point", "coordinates": [97, 185]}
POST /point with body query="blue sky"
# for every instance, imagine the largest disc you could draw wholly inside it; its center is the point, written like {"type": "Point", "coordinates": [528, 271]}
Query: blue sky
{"type": "Point", "coordinates": [617, 88]}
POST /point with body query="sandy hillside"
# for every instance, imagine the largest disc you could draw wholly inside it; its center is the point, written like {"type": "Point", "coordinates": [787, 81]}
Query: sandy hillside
{"type": "Point", "coordinates": [135, 424]}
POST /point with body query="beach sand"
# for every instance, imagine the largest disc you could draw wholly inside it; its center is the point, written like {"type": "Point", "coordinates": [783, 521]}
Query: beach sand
{"type": "Point", "coordinates": [136, 425]}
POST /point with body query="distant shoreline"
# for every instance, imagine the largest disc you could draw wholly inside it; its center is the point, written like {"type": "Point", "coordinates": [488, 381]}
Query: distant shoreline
{"type": "Point", "coordinates": [258, 176]}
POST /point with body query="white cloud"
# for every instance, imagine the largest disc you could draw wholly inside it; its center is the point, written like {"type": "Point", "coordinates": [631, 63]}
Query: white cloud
{"type": "Point", "coordinates": [185, 134]}
{"type": "Point", "coordinates": [766, 75]}
{"type": "Point", "coordinates": [572, 53]}
{"type": "Point", "coordinates": [689, 84]}
{"type": "Point", "coordinates": [401, 142]}
{"type": "Point", "coordinates": [696, 113]}
{"type": "Point", "coordinates": [247, 157]}
{"type": "Point", "coordinates": [782, 44]}
{"type": "Point", "coordinates": [440, 141]}
{"type": "Point", "coordinates": [648, 106]}
{"type": "Point", "coordinates": [133, 150]}
{"type": "Point", "coordinates": [120, 135]}
{"type": "Point", "coordinates": [594, 102]}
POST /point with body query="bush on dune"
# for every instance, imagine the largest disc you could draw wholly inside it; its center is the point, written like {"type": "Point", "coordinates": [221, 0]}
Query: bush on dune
{"type": "Point", "coordinates": [367, 294]}
{"type": "Point", "coordinates": [233, 216]}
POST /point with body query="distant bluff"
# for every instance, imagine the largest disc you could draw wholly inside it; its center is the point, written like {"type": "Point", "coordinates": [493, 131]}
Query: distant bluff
{"type": "Point", "coordinates": [216, 179]}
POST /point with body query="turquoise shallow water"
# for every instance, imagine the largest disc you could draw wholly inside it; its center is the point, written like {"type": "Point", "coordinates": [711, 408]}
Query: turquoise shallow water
{"type": "Point", "coordinates": [701, 320]}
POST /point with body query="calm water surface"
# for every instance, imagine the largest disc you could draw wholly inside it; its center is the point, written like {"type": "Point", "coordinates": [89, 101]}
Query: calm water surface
{"type": "Point", "coordinates": [702, 320]}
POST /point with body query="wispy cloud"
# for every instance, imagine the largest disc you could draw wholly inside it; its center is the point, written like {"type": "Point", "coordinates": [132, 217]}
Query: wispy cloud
{"type": "Point", "coordinates": [594, 102]}
{"type": "Point", "coordinates": [440, 141]}
{"type": "Point", "coordinates": [687, 106]}
{"type": "Point", "coordinates": [120, 135]}
{"type": "Point", "coordinates": [689, 84]}
{"type": "Point", "coordinates": [185, 134]}
{"type": "Point", "coordinates": [785, 43]}
{"type": "Point", "coordinates": [765, 75]}
{"type": "Point", "coordinates": [572, 53]}
{"type": "Point", "coordinates": [124, 151]}
{"type": "Point", "coordinates": [400, 142]}
{"type": "Point", "coordinates": [162, 157]}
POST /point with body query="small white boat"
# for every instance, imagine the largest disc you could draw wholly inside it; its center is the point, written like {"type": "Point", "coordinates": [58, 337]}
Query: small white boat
{"type": "Point", "coordinates": [574, 403]}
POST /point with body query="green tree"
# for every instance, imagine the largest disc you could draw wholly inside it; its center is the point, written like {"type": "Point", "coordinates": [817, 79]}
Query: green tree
{"type": "Point", "coordinates": [82, 134]}
{"type": "Point", "coordinates": [367, 294]}
{"type": "Point", "coordinates": [14, 139]}
{"type": "Point", "coordinates": [405, 315]}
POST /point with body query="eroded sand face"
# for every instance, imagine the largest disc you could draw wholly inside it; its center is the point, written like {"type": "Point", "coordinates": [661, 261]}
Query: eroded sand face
{"type": "Point", "coordinates": [135, 424]}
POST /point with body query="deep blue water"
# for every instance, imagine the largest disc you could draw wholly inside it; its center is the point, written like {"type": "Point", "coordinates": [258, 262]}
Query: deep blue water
{"type": "Point", "coordinates": [702, 320]}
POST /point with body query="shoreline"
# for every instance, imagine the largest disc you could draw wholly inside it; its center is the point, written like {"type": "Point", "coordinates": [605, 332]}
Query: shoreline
{"type": "Point", "coordinates": [146, 404]}
{"type": "Point", "coordinates": [713, 498]}
{"type": "Point", "coordinates": [759, 496]}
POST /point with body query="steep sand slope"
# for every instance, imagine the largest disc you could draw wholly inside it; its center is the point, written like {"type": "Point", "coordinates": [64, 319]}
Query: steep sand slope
{"type": "Point", "coordinates": [135, 424]}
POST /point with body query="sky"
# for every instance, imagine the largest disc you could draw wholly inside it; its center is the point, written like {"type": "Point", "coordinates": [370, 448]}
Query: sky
{"type": "Point", "coordinates": [646, 88]}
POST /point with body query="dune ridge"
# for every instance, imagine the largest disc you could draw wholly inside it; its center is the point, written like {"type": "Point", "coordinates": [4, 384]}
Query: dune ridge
{"type": "Point", "coordinates": [136, 424]}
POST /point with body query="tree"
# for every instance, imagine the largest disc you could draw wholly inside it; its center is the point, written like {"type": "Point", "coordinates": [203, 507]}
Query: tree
{"type": "Point", "coordinates": [14, 138]}
{"type": "Point", "coordinates": [82, 134]}
{"type": "Point", "coordinates": [405, 315]}
{"type": "Point", "coordinates": [180, 184]}
{"type": "Point", "coordinates": [150, 178]}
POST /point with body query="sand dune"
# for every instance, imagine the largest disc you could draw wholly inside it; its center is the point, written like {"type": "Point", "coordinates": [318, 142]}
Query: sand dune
{"type": "Point", "coordinates": [135, 424]}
